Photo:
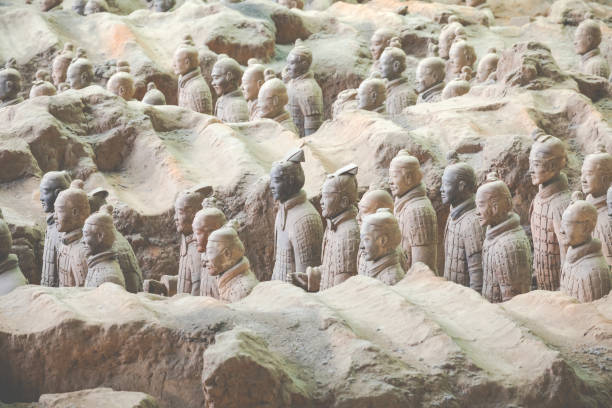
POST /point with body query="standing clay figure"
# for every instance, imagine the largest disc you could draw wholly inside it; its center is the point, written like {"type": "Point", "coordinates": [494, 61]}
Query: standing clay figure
{"type": "Point", "coordinates": [225, 254]}
{"type": "Point", "coordinates": [47, 5]}
{"type": "Point", "coordinates": [78, 6]}
{"type": "Point", "coordinates": [379, 41]}
{"type": "Point", "coordinates": [231, 105]}
{"type": "Point", "coordinates": [193, 92]}
{"type": "Point", "coordinates": [41, 86]}
{"type": "Point", "coordinates": [162, 5]}
{"type": "Point", "coordinates": [463, 235]}
{"type": "Point", "coordinates": [430, 79]}
{"type": "Point", "coordinates": [10, 84]}
{"type": "Point", "coordinates": [61, 63]}
{"type": "Point", "coordinates": [205, 222]}
{"type": "Point", "coordinates": [461, 55]}
{"type": "Point", "coordinates": [546, 160]}
{"type": "Point", "coordinates": [272, 101]}
{"type": "Point", "coordinates": [417, 217]}
{"type": "Point", "coordinates": [95, 6]}
{"type": "Point", "coordinates": [381, 238]}
{"type": "Point", "coordinates": [71, 211]}
{"type": "Point", "coordinates": [585, 274]}
{"type": "Point", "coordinates": [596, 179]}
{"type": "Point", "coordinates": [154, 96]}
{"type": "Point", "coordinates": [487, 66]}
{"type": "Point", "coordinates": [609, 202]}
{"type": "Point", "coordinates": [506, 251]}
{"type": "Point", "coordinates": [51, 184]}
{"type": "Point", "coordinates": [298, 229]}
{"type": "Point", "coordinates": [341, 238]}
{"type": "Point", "coordinates": [399, 91]}
{"type": "Point", "coordinates": [305, 96]}
{"type": "Point", "coordinates": [586, 43]}
{"type": "Point", "coordinates": [458, 86]}
{"type": "Point", "coordinates": [449, 33]}
{"type": "Point", "coordinates": [252, 80]}
{"type": "Point", "coordinates": [298, 4]}
{"type": "Point", "coordinates": [10, 273]}
{"type": "Point", "coordinates": [121, 83]}
{"type": "Point", "coordinates": [372, 95]}
{"type": "Point", "coordinates": [187, 204]}
{"type": "Point", "coordinates": [80, 72]}
{"type": "Point", "coordinates": [98, 238]}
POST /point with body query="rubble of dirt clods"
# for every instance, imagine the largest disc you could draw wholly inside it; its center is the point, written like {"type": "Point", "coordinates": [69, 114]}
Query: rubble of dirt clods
{"type": "Point", "coordinates": [424, 342]}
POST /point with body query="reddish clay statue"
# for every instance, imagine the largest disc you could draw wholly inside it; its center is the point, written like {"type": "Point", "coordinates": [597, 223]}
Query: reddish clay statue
{"type": "Point", "coordinates": [61, 63]}
{"type": "Point", "coordinates": [305, 96]}
{"type": "Point", "coordinates": [586, 43]}
{"type": "Point", "coordinates": [463, 235]}
{"type": "Point", "coordinates": [585, 274]}
{"type": "Point", "coordinates": [231, 105]}
{"type": "Point", "coordinates": [381, 238]}
{"type": "Point", "coordinates": [272, 101]}
{"type": "Point", "coordinates": [417, 217]}
{"type": "Point", "coordinates": [596, 179]}
{"type": "Point", "coordinates": [225, 254]}
{"type": "Point", "coordinates": [193, 92]}
{"type": "Point", "coordinates": [546, 160]}
{"type": "Point", "coordinates": [341, 238]}
{"type": "Point", "coordinates": [252, 80]}
{"type": "Point", "coordinates": [506, 251]}
{"type": "Point", "coordinates": [298, 229]}
{"type": "Point", "coordinates": [10, 274]}
{"type": "Point", "coordinates": [71, 211]}
{"type": "Point", "coordinates": [205, 222]}
{"type": "Point", "coordinates": [98, 239]}
{"type": "Point", "coordinates": [51, 184]}
{"type": "Point", "coordinates": [400, 93]}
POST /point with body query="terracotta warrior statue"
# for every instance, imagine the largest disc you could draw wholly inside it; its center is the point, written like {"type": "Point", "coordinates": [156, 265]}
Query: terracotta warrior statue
{"type": "Point", "coordinates": [231, 105]}
{"type": "Point", "coordinates": [10, 273]}
{"type": "Point", "coordinates": [596, 179]}
{"type": "Point", "coordinates": [121, 83]}
{"type": "Point", "coordinates": [609, 202]}
{"type": "Point", "coordinates": [449, 33]}
{"type": "Point", "coordinates": [417, 217]}
{"type": "Point", "coordinates": [252, 80]}
{"type": "Point", "coordinates": [585, 274]}
{"type": "Point", "coordinates": [380, 40]}
{"type": "Point", "coordinates": [372, 95]}
{"type": "Point", "coordinates": [47, 5]}
{"type": "Point", "coordinates": [458, 86]}
{"type": "Point", "coordinates": [187, 204]}
{"type": "Point", "coordinates": [225, 254]}
{"type": "Point", "coordinates": [381, 238]}
{"type": "Point", "coordinates": [298, 229]}
{"type": "Point", "coordinates": [162, 5]}
{"type": "Point", "coordinates": [392, 66]}
{"type": "Point", "coordinates": [10, 84]}
{"type": "Point", "coordinates": [78, 6]}
{"type": "Point", "coordinates": [71, 211]}
{"type": "Point", "coordinates": [41, 85]}
{"type": "Point", "coordinates": [80, 73]}
{"type": "Point", "coordinates": [121, 246]}
{"type": "Point", "coordinates": [341, 238]}
{"type": "Point", "coordinates": [487, 66]}
{"type": "Point", "coordinates": [154, 96]}
{"type": "Point", "coordinates": [98, 237]}
{"type": "Point", "coordinates": [298, 4]}
{"type": "Point", "coordinates": [272, 101]}
{"type": "Point", "coordinates": [430, 79]}
{"type": "Point", "coordinates": [586, 43]}
{"type": "Point", "coordinates": [193, 92]}
{"type": "Point", "coordinates": [461, 55]}
{"type": "Point", "coordinates": [305, 96]}
{"type": "Point", "coordinates": [205, 222]}
{"type": "Point", "coordinates": [506, 250]}
{"type": "Point", "coordinates": [463, 235]}
{"type": "Point", "coordinates": [51, 184]}
{"type": "Point", "coordinates": [95, 6]}
{"type": "Point", "coordinates": [61, 62]}
{"type": "Point", "coordinates": [546, 160]}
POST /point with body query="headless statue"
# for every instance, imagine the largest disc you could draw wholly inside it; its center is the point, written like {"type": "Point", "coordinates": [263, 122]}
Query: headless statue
{"type": "Point", "coordinates": [298, 229]}
{"type": "Point", "coordinates": [546, 160]}
{"type": "Point", "coordinates": [225, 254]}
{"type": "Point", "coordinates": [193, 92]}
{"type": "Point", "coordinates": [10, 273]}
{"type": "Point", "coordinates": [98, 239]}
{"type": "Point", "coordinates": [585, 274]}
{"type": "Point", "coordinates": [506, 251]}
{"type": "Point", "coordinates": [341, 237]}
{"type": "Point", "coordinates": [417, 217]}
{"type": "Point", "coordinates": [205, 222]}
{"type": "Point", "coordinates": [231, 105]}
{"type": "Point", "coordinates": [272, 101]}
